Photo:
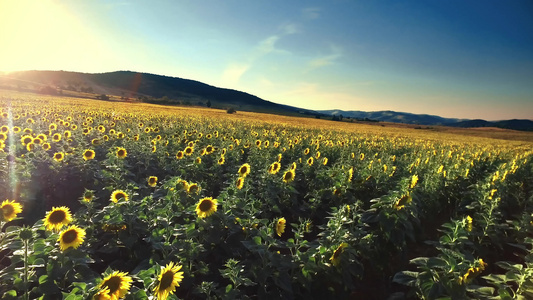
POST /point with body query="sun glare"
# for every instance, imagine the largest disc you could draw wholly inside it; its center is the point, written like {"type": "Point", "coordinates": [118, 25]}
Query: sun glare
{"type": "Point", "coordinates": [41, 35]}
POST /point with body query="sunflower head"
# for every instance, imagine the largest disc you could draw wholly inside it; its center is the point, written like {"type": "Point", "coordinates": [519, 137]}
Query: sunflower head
{"type": "Point", "coordinates": [288, 176]}
{"type": "Point", "coordinates": [244, 170]}
{"type": "Point", "coordinates": [274, 168]}
{"type": "Point", "coordinates": [10, 209]}
{"type": "Point", "coordinates": [182, 185]}
{"type": "Point", "coordinates": [88, 154]}
{"type": "Point", "coordinates": [239, 183]}
{"type": "Point", "coordinates": [403, 201]}
{"type": "Point", "coordinates": [152, 181]}
{"type": "Point", "coordinates": [59, 156]}
{"type": "Point", "coordinates": [119, 194]}
{"type": "Point", "coordinates": [198, 160]}
{"type": "Point", "coordinates": [206, 207]}
{"type": "Point", "coordinates": [193, 188]}
{"type": "Point", "coordinates": [57, 218]}
{"type": "Point", "coordinates": [280, 226]}
{"type": "Point", "coordinates": [414, 180]}
{"type": "Point", "coordinates": [88, 196]}
{"type": "Point", "coordinates": [310, 161]}
{"type": "Point", "coordinates": [117, 283]}
{"type": "Point", "coordinates": [180, 154]}
{"type": "Point", "coordinates": [121, 152]}
{"type": "Point", "coordinates": [221, 160]}
{"type": "Point", "coordinates": [336, 257]}
{"type": "Point", "coordinates": [71, 237]}
{"type": "Point", "coordinates": [168, 280]}
{"type": "Point", "coordinates": [189, 150]}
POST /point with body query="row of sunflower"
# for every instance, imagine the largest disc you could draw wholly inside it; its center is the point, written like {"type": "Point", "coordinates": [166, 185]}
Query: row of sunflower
{"type": "Point", "coordinates": [177, 203]}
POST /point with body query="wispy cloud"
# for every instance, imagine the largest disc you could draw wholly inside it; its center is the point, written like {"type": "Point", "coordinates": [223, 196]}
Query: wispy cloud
{"type": "Point", "coordinates": [311, 13]}
{"type": "Point", "coordinates": [234, 72]}
{"type": "Point", "coordinates": [325, 60]}
{"type": "Point", "coordinates": [289, 28]}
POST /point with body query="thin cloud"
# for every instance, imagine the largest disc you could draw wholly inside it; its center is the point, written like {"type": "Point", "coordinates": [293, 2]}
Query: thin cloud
{"type": "Point", "coordinates": [290, 28]}
{"type": "Point", "coordinates": [311, 13]}
{"type": "Point", "coordinates": [325, 60]}
{"type": "Point", "coordinates": [234, 72]}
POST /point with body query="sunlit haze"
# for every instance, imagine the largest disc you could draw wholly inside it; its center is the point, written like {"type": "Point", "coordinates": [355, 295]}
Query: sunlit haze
{"type": "Point", "coordinates": [463, 59]}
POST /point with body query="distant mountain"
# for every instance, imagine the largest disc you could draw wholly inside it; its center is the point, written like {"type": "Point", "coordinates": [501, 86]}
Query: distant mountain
{"type": "Point", "coordinates": [392, 116]}
{"type": "Point", "coordinates": [514, 124]}
{"type": "Point", "coordinates": [151, 88]}
{"type": "Point", "coordinates": [408, 118]}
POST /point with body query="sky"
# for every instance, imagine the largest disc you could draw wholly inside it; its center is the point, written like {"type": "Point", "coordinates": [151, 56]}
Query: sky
{"type": "Point", "coordinates": [461, 59]}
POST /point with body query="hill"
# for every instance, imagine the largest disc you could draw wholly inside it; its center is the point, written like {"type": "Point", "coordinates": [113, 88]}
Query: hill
{"type": "Point", "coordinates": [147, 88]}
{"type": "Point", "coordinates": [431, 120]}
{"type": "Point", "coordinates": [392, 116]}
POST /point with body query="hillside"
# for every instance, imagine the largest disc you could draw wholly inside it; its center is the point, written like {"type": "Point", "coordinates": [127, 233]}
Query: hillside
{"type": "Point", "coordinates": [392, 116]}
{"type": "Point", "coordinates": [431, 120]}
{"type": "Point", "coordinates": [148, 88]}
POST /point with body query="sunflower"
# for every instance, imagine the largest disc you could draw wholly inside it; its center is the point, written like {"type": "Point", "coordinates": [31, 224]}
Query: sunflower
{"type": "Point", "coordinates": [288, 176]}
{"type": "Point", "coordinates": [188, 150]}
{"type": "Point", "coordinates": [71, 237]}
{"type": "Point", "coordinates": [121, 152]}
{"type": "Point", "coordinates": [403, 201]}
{"type": "Point", "coordinates": [88, 154]}
{"type": "Point", "coordinates": [325, 161]}
{"type": "Point", "coordinates": [152, 181]}
{"type": "Point", "coordinates": [350, 174]}
{"type": "Point", "coordinates": [179, 155]}
{"type": "Point", "coordinates": [117, 283]}
{"type": "Point", "coordinates": [306, 151]}
{"type": "Point", "coordinates": [221, 160]}
{"type": "Point", "coordinates": [59, 156]}
{"type": "Point", "coordinates": [57, 218]}
{"type": "Point", "coordinates": [88, 196]}
{"type": "Point", "coordinates": [26, 139]}
{"type": "Point", "coordinates": [244, 170]}
{"type": "Point", "coordinates": [10, 209]}
{"type": "Point", "coordinates": [280, 226]}
{"type": "Point", "coordinates": [102, 294]}
{"type": "Point", "coordinates": [193, 188]}
{"type": "Point", "coordinates": [361, 156]}
{"type": "Point", "coordinates": [198, 160]}
{"type": "Point", "coordinates": [206, 207]}
{"type": "Point", "coordinates": [414, 180]}
{"type": "Point", "coordinates": [119, 194]}
{"type": "Point", "coordinates": [469, 223]}
{"type": "Point", "coordinates": [209, 149]}
{"type": "Point", "coordinates": [239, 183]}
{"type": "Point", "coordinates": [182, 185]}
{"type": "Point", "coordinates": [310, 161]}
{"type": "Point", "coordinates": [56, 137]}
{"type": "Point", "coordinates": [274, 168]}
{"type": "Point", "coordinates": [336, 257]}
{"type": "Point", "coordinates": [169, 279]}
{"type": "Point", "coordinates": [46, 146]}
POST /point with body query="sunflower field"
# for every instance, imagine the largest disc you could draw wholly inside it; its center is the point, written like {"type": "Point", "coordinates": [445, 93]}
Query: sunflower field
{"type": "Point", "coordinates": [108, 200]}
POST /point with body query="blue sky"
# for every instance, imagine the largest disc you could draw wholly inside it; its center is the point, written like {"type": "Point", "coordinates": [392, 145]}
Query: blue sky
{"type": "Point", "coordinates": [465, 59]}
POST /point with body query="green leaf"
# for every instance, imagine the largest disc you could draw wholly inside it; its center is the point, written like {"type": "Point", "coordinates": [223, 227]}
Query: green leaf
{"type": "Point", "coordinates": [43, 279]}
{"type": "Point", "coordinates": [406, 278]}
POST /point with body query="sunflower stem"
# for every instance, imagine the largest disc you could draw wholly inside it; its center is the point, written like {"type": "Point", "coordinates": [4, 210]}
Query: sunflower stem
{"type": "Point", "coordinates": [25, 277]}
